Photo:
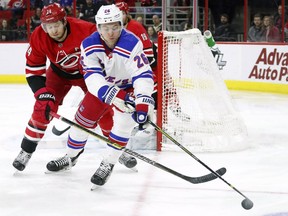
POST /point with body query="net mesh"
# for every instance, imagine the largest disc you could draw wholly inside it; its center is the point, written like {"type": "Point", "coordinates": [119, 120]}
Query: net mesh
{"type": "Point", "coordinates": [197, 108]}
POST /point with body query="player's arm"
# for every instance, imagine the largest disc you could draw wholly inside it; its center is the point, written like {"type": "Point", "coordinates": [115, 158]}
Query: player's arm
{"type": "Point", "coordinates": [35, 68]}
{"type": "Point", "coordinates": [142, 80]}
{"type": "Point", "coordinates": [147, 44]}
{"type": "Point", "coordinates": [93, 71]}
{"type": "Point", "coordinates": [36, 78]}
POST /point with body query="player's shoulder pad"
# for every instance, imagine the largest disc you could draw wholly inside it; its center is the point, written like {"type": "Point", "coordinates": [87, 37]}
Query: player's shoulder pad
{"type": "Point", "coordinates": [93, 39]}
{"type": "Point", "coordinates": [135, 26]}
{"type": "Point", "coordinates": [128, 40]}
{"type": "Point", "coordinates": [38, 36]}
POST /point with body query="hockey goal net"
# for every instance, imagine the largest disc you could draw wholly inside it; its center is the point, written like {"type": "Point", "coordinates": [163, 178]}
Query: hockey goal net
{"type": "Point", "coordinates": [194, 104]}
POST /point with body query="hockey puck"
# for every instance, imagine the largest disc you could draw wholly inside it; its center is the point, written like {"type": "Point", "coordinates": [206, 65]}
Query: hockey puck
{"type": "Point", "coordinates": [247, 204]}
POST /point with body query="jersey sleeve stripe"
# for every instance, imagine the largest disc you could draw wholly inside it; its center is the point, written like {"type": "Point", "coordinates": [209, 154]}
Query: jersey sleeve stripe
{"type": "Point", "coordinates": [35, 68]}
{"type": "Point", "coordinates": [94, 48]}
{"type": "Point", "coordinates": [149, 52]}
{"type": "Point", "coordinates": [89, 73]}
{"type": "Point", "coordinates": [146, 74]}
{"type": "Point", "coordinates": [122, 52]}
{"type": "Point", "coordinates": [33, 74]}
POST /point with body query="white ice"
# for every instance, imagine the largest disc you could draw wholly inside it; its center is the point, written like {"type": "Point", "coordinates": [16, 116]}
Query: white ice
{"type": "Point", "coordinates": [260, 172]}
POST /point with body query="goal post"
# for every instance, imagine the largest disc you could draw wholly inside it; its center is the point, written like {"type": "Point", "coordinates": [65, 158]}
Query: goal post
{"type": "Point", "coordinates": [194, 104]}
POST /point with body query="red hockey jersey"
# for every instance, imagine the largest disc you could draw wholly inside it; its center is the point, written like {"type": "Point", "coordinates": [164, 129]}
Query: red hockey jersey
{"type": "Point", "coordinates": [64, 56]}
{"type": "Point", "coordinates": [140, 31]}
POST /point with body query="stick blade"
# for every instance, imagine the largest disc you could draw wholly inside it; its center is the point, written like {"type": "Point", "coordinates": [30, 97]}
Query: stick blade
{"type": "Point", "coordinates": [59, 132]}
{"type": "Point", "coordinates": [208, 177]}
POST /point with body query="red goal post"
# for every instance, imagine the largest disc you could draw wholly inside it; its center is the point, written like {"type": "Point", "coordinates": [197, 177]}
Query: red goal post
{"type": "Point", "coordinates": [193, 103]}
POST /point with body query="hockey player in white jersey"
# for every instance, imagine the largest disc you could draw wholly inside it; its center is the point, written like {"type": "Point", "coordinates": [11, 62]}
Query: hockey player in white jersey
{"type": "Point", "coordinates": [117, 72]}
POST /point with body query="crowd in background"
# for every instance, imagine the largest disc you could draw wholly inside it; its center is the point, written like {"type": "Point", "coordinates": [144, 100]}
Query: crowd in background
{"type": "Point", "coordinates": [15, 19]}
{"type": "Point", "coordinates": [266, 27]}
{"type": "Point", "coordinates": [16, 23]}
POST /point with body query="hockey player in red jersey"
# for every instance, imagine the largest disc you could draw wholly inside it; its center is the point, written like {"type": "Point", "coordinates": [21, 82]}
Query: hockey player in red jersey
{"type": "Point", "coordinates": [58, 39]}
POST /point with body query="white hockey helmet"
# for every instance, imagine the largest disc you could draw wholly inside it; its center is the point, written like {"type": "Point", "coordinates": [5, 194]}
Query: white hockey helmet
{"type": "Point", "coordinates": [108, 14]}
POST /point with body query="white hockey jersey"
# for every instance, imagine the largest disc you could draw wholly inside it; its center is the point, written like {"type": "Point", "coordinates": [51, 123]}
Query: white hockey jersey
{"type": "Point", "coordinates": [125, 66]}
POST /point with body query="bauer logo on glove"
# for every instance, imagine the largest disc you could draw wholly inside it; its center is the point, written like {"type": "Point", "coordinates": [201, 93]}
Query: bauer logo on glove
{"type": "Point", "coordinates": [144, 105]}
{"type": "Point", "coordinates": [45, 102]}
{"type": "Point", "coordinates": [46, 96]}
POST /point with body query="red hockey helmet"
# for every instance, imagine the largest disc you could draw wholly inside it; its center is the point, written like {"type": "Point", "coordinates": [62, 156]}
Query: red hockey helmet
{"type": "Point", "coordinates": [123, 6]}
{"type": "Point", "coordinates": [52, 13]}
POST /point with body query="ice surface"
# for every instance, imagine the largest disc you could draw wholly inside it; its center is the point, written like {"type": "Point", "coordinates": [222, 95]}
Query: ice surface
{"type": "Point", "coordinates": [259, 172]}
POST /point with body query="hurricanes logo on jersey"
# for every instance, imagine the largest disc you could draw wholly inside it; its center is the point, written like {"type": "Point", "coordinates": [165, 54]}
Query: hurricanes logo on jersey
{"type": "Point", "coordinates": [67, 61]}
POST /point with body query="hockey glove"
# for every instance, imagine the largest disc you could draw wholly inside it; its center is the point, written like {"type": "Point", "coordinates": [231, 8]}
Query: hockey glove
{"type": "Point", "coordinates": [119, 99]}
{"type": "Point", "coordinates": [45, 102]}
{"type": "Point", "coordinates": [143, 106]}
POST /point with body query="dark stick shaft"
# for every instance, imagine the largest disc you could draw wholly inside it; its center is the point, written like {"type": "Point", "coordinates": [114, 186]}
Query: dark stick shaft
{"type": "Point", "coordinates": [193, 156]}
{"type": "Point", "coordinates": [194, 180]}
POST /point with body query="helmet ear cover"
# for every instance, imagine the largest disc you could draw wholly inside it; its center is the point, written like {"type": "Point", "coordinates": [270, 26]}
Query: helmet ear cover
{"type": "Point", "coordinates": [108, 14]}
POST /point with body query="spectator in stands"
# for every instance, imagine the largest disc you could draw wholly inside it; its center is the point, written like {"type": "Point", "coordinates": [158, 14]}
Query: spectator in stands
{"type": "Point", "coordinates": [157, 24]}
{"type": "Point", "coordinates": [48, 2]}
{"type": "Point", "coordinates": [90, 9]}
{"type": "Point", "coordinates": [187, 26]}
{"type": "Point", "coordinates": [148, 3]}
{"type": "Point", "coordinates": [152, 34]}
{"type": "Point", "coordinates": [277, 18]}
{"type": "Point", "coordinates": [80, 4]}
{"type": "Point", "coordinates": [256, 31]}
{"type": "Point", "coordinates": [69, 11]}
{"type": "Point", "coordinates": [150, 10]}
{"type": "Point", "coordinates": [5, 31]}
{"type": "Point", "coordinates": [99, 3]}
{"type": "Point", "coordinates": [3, 4]}
{"type": "Point", "coordinates": [224, 32]}
{"type": "Point", "coordinates": [14, 4]}
{"type": "Point", "coordinates": [109, 2]}
{"type": "Point", "coordinates": [78, 14]}
{"type": "Point", "coordinates": [38, 4]}
{"type": "Point", "coordinates": [35, 20]}
{"type": "Point", "coordinates": [182, 10]}
{"type": "Point", "coordinates": [17, 6]}
{"type": "Point", "coordinates": [65, 3]}
{"type": "Point", "coordinates": [140, 20]}
{"type": "Point", "coordinates": [286, 31]}
{"type": "Point", "coordinates": [271, 32]}
{"type": "Point", "coordinates": [22, 29]}
{"type": "Point", "coordinates": [188, 23]}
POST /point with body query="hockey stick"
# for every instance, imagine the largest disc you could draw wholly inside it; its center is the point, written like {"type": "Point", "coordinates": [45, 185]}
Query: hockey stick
{"type": "Point", "coordinates": [59, 132]}
{"type": "Point", "coordinates": [193, 180]}
{"type": "Point", "coordinates": [246, 203]}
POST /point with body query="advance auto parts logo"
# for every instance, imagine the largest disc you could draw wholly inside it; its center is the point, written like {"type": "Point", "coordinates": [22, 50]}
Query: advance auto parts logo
{"type": "Point", "coordinates": [270, 66]}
